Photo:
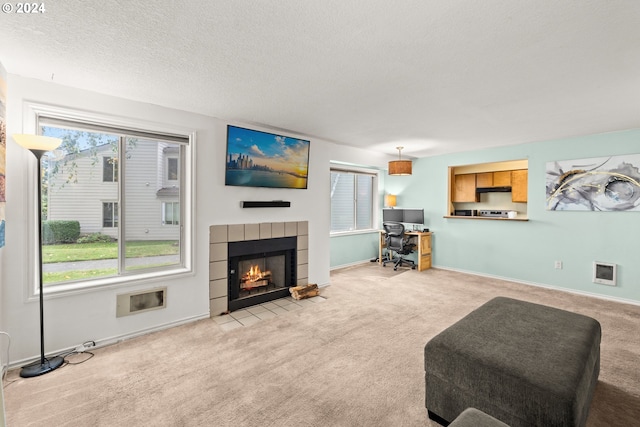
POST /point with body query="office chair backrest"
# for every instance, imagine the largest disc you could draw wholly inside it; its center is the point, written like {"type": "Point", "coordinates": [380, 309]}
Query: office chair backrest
{"type": "Point", "coordinates": [393, 228]}
{"type": "Point", "coordinates": [395, 235]}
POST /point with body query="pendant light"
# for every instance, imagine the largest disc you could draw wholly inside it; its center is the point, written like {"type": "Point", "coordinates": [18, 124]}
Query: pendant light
{"type": "Point", "coordinates": [400, 167]}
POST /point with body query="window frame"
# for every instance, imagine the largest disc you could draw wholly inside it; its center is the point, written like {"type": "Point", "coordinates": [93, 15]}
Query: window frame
{"type": "Point", "coordinates": [168, 169]}
{"type": "Point", "coordinates": [114, 169]}
{"type": "Point", "coordinates": [31, 119]}
{"type": "Point", "coordinates": [173, 223]}
{"type": "Point", "coordinates": [375, 203]}
{"type": "Point", "coordinates": [114, 211]}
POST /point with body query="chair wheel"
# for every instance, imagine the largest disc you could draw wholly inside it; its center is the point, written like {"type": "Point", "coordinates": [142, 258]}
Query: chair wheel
{"type": "Point", "coordinates": [395, 268]}
{"type": "Point", "coordinates": [413, 268]}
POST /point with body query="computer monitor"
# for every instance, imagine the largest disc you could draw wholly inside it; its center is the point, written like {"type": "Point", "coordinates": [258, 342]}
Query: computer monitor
{"type": "Point", "coordinates": [413, 216]}
{"type": "Point", "coordinates": [394, 215]}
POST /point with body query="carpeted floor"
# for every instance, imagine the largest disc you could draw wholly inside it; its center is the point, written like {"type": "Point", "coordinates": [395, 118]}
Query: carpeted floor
{"type": "Point", "coordinates": [354, 360]}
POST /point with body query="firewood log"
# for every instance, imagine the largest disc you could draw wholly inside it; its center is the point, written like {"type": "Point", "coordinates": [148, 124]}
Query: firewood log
{"type": "Point", "coordinates": [305, 291]}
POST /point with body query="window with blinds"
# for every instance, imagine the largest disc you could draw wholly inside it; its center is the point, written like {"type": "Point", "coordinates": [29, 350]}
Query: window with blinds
{"type": "Point", "coordinates": [352, 197]}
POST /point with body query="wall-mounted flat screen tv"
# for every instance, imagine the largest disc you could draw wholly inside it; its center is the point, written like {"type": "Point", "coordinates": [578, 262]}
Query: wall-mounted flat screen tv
{"type": "Point", "coordinates": [262, 159]}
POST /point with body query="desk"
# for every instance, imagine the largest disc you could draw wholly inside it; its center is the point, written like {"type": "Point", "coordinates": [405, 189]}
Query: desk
{"type": "Point", "coordinates": [423, 247]}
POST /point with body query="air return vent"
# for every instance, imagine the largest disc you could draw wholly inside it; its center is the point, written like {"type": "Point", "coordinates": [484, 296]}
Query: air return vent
{"type": "Point", "coordinates": [141, 301]}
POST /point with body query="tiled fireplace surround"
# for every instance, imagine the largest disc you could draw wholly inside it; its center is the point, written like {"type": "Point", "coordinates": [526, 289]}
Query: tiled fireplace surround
{"type": "Point", "coordinates": [221, 235]}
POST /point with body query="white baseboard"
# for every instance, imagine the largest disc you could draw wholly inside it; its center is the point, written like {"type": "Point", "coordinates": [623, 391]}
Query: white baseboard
{"type": "Point", "coordinates": [541, 285]}
{"type": "Point", "coordinates": [350, 264]}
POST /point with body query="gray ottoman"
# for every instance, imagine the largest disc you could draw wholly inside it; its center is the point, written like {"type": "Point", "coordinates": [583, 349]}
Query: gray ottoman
{"type": "Point", "coordinates": [525, 364]}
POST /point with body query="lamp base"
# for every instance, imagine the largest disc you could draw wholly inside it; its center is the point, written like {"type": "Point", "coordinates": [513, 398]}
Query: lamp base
{"type": "Point", "coordinates": [38, 368]}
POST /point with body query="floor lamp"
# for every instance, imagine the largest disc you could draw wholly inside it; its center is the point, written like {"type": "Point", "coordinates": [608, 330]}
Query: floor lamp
{"type": "Point", "coordinates": [39, 145]}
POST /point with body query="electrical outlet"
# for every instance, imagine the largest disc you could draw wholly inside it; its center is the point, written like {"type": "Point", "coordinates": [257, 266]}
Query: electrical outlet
{"type": "Point", "coordinates": [558, 265]}
{"type": "Point", "coordinates": [84, 346]}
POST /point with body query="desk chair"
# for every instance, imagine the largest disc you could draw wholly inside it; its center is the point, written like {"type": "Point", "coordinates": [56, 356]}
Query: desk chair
{"type": "Point", "coordinates": [399, 243]}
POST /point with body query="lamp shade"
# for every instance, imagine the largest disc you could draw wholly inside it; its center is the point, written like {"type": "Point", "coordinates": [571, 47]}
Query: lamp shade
{"type": "Point", "coordinates": [37, 142]}
{"type": "Point", "coordinates": [400, 167]}
{"type": "Point", "coordinates": [390, 200]}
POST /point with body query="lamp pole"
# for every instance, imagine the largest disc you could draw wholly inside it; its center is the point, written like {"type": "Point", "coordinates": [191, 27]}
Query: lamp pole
{"type": "Point", "coordinates": [39, 145]}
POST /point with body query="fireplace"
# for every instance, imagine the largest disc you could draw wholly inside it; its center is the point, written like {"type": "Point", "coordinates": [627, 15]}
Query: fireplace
{"type": "Point", "coordinates": [224, 237]}
{"type": "Point", "coordinates": [260, 271]}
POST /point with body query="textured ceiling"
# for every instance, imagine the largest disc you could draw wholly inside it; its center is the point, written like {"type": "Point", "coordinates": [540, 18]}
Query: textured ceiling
{"type": "Point", "coordinates": [433, 76]}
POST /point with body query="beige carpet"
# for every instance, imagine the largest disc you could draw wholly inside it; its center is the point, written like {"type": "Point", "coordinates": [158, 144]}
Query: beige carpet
{"type": "Point", "coordinates": [354, 360]}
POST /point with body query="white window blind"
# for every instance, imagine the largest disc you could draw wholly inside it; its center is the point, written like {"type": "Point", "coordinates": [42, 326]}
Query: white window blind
{"type": "Point", "coordinates": [351, 201]}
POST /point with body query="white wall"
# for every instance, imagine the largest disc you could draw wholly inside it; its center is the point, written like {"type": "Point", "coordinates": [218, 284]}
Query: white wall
{"type": "Point", "coordinates": [73, 319]}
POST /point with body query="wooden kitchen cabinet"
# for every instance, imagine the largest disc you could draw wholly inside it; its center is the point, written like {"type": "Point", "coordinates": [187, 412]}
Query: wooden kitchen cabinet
{"type": "Point", "coordinates": [519, 186]}
{"type": "Point", "coordinates": [466, 184]}
{"type": "Point", "coordinates": [464, 188]}
{"type": "Point", "coordinates": [484, 180]}
{"type": "Point", "coordinates": [502, 179]}
{"type": "Point", "coordinates": [493, 179]}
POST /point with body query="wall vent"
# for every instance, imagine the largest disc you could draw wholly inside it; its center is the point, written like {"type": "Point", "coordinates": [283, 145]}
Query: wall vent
{"type": "Point", "coordinates": [140, 301]}
{"type": "Point", "coordinates": [604, 273]}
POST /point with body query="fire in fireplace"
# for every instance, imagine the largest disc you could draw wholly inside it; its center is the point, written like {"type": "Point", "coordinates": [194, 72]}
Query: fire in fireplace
{"type": "Point", "coordinates": [260, 271]}
{"type": "Point", "coordinates": [255, 278]}
{"type": "Point", "coordinates": [261, 274]}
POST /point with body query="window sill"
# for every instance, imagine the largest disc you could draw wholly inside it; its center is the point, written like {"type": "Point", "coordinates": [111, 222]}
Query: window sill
{"type": "Point", "coordinates": [80, 287]}
{"type": "Point", "coordinates": [353, 232]}
{"type": "Point", "coordinates": [485, 218]}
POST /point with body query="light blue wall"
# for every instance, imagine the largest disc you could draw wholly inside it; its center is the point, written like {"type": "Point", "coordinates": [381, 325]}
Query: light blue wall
{"type": "Point", "coordinates": [526, 251]}
{"type": "Point", "coordinates": [353, 249]}
{"type": "Point", "coordinates": [350, 249]}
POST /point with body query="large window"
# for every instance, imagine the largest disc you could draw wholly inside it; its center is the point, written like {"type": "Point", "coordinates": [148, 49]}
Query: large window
{"type": "Point", "coordinates": [112, 182]}
{"type": "Point", "coordinates": [352, 200]}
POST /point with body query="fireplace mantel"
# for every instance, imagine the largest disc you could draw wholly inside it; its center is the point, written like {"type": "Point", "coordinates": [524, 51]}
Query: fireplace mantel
{"type": "Point", "coordinates": [221, 235]}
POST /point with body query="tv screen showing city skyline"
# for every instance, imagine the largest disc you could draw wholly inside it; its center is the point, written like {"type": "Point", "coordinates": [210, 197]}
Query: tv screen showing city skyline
{"type": "Point", "coordinates": [261, 159]}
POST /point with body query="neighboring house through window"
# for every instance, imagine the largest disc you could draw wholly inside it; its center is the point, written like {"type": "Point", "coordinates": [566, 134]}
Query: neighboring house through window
{"type": "Point", "coordinates": [123, 185]}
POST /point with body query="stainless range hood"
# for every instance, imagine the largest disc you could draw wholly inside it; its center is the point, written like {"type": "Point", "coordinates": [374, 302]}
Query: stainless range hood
{"type": "Point", "coordinates": [493, 190]}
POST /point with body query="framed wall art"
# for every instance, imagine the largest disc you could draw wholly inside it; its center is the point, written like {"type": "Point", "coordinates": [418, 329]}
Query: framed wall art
{"type": "Point", "coordinates": [596, 184]}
